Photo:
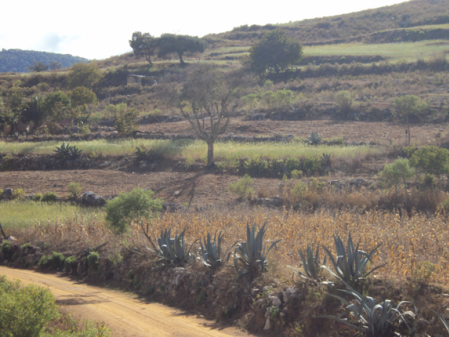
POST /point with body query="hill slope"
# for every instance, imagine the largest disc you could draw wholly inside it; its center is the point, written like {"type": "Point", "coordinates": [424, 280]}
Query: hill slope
{"type": "Point", "coordinates": [17, 60]}
{"type": "Point", "coordinates": [311, 31]}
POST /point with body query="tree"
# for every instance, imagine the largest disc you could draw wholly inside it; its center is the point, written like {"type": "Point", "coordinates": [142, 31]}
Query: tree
{"type": "Point", "coordinates": [407, 106]}
{"type": "Point", "coordinates": [431, 159]}
{"type": "Point", "coordinates": [275, 52]}
{"type": "Point", "coordinates": [397, 172]}
{"type": "Point", "coordinates": [144, 45]}
{"type": "Point", "coordinates": [344, 101]}
{"type": "Point", "coordinates": [208, 99]}
{"type": "Point", "coordinates": [38, 67]}
{"type": "Point", "coordinates": [82, 96]}
{"type": "Point", "coordinates": [55, 65]}
{"type": "Point", "coordinates": [180, 44]}
{"type": "Point", "coordinates": [84, 75]}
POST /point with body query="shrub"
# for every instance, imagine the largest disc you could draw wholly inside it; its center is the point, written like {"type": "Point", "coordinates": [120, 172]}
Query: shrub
{"type": "Point", "coordinates": [299, 191]}
{"type": "Point", "coordinates": [430, 159]}
{"type": "Point", "coordinates": [344, 101]}
{"type": "Point", "coordinates": [49, 197]}
{"type": "Point", "coordinates": [253, 166]}
{"type": "Point", "coordinates": [397, 172]}
{"type": "Point", "coordinates": [6, 248]}
{"type": "Point", "coordinates": [243, 187]}
{"type": "Point", "coordinates": [24, 246]}
{"type": "Point", "coordinates": [18, 194]}
{"type": "Point", "coordinates": [133, 206]}
{"type": "Point", "coordinates": [296, 174]}
{"type": "Point", "coordinates": [92, 260]}
{"type": "Point", "coordinates": [25, 311]}
{"type": "Point", "coordinates": [409, 151]}
{"type": "Point", "coordinates": [312, 165]}
{"type": "Point", "coordinates": [125, 123]}
{"type": "Point", "coordinates": [57, 260]}
{"type": "Point", "coordinates": [37, 197]}
{"type": "Point", "coordinates": [74, 190]}
{"type": "Point", "coordinates": [292, 164]}
{"type": "Point", "coordinates": [44, 262]}
{"type": "Point", "coordinates": [70, 263]}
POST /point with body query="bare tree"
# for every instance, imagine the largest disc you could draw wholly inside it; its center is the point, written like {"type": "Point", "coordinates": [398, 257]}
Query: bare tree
{"type": "Point", "coordinates": [208, 98]}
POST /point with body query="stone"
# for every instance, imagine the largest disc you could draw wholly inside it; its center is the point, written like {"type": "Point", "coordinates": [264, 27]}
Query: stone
{"type": "Point", "coordinates": [8, 193]}
{"type": "Point", "coordinates": [275, 301]}
{"type": "Point", "coordinates": [176, 194]}
{"type": "Point", "coordinates": [91, 199]}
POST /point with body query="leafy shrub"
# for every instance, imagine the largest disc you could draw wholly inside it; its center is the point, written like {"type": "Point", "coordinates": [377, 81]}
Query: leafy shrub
{"type": "Point", "coordinates": [74, 190]}
{"type": "Point", "coordinates": [24, 246]}
{"type": "Point", "coordinates": [70, 263]}
{"type": "Point", "coordinates": [243, 187]}
{"type": "Point", "coordinates": [92, 260]}
{"type": "Point", "coordinates": [250, 257]}
{"type": "Point", "coordinates": [317, 185]}
{"type": "Point", "coordinates": [57, 260]}
{"type": "Point", "coordinates": [409, 151]}
{"type": "Point", "coordinates": [296, 174]}
{"type": "Point", "coordinates": [250, 100]}
{"type": "Point", "coordinates": [253, 166]}
{"type": "Point", "coordinates": [133, 206]}
{"type": "Point", "coordinates": [428, 180]}
{"type": "Point", "coordinates": [344, 101]}
{"type": "Point", "coordinates": [292, 164]}
{"type": "Point", "coordinates": [37, 197]}
{"type": "Point", "coordinates": [312, 165]}
{"type": "Point", "coordinates": [66, 152]}
{"type": "Point", "coordinates": [44, 262]}
{"type": "Point", "coordinates": [25, 311]}
{"type": "Point", "coordinates": [49, 197]}
{"type": "Point", "coordinates": [430, 159]}
{"type": "Point", "coordinates": [299, 191]}
{"type": "Point", "coordinates": [275, 166]}
{"type": "Point", "coordinates": [6, 248]}
{"type": "Point", "coordinates": [18, 194]}
{"type": "Point", "coordinates": [125, 123]}
{"type": "Point", "coordinates": [397, 172]}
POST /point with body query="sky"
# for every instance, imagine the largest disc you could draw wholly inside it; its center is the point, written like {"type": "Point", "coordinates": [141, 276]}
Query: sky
{"type": "Point", "coordinates": [98, 29]}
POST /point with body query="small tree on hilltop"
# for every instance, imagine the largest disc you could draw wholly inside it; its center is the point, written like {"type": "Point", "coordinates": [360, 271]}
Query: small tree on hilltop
{"type": "Point", "coordinates": [180, 44]}
{"type": "Point", "coordinates": [275, 52]}
{"type": "Point", "coordinates": [407, 106]}
{"type": "Point", "coordinates": [144, 45]}
{"type": "Point", "coordinates": [208, 99]}
{"type": "Point", "coordinates": [38, 67]}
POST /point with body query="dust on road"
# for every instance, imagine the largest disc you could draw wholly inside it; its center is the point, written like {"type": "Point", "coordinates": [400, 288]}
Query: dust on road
{"type": "Point", "coordinates": [123, 313]}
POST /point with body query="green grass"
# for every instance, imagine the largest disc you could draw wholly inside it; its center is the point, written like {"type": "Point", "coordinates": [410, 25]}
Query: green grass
{"type": "Point", "coordinates": [409, 51]}
{"type": "Point", "coordinates": [192, 149]}
{"type": "Point", "coordinates": [21, 214]}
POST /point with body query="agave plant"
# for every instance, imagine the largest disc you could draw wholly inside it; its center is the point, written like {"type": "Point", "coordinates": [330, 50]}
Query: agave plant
{"type": "Point", "coordinates": [350, 266]}
{"type": "Point", "coordinates": [365, 315]}
{"type": "Point", "coordinates": [67, 152]}
{"type": "Point", "coordinates": [211, 251]}
{"type": "Point", "coordinates": [311, 264]}
{"type": "Point", "coordinates": [250, 257]}
{"type": "Point", "coordinates": [314, 139]}
{"type": "Point", "coordinates": [173, 251]}
{"type": "Point", "coordinates": [442, 320]}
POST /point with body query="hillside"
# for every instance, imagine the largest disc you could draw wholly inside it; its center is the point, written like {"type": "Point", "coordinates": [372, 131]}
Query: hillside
{"type": "Point", "coordinates": [320, 30]}
{"type": "Point", "coordinates": [18, 61]}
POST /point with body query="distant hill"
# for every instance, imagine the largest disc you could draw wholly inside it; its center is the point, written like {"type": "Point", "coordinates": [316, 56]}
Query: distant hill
{"type": "Point", "coordinates": [341, 27]}
{"type": "Point", "coordinates": [18, 61]}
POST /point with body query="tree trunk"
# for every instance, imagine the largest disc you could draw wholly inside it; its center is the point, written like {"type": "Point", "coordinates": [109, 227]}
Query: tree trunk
{"type": "Point", "coordinates": [181, 58]}
{"type": "Point", "coordinates": [210, 158]}
{"type": "Point", "coordinates": [409, 132]}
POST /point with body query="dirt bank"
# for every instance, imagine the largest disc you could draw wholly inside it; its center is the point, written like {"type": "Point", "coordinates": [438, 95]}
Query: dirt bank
{"type": "Point", "coordinates": [123, 313]}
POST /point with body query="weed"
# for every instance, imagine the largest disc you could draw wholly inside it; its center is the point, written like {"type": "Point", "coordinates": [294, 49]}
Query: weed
{"type": "Point", "coordinates": [243, 187]}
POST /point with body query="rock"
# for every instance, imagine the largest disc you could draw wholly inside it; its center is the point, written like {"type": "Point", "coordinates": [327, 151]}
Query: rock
{"type": "Point", "coordinates": [275, 301]}
{"type": "Point", "coordinates": [176, 194]}
{"type": "Point", "coordinates": [91, 199]}
{"type": "Point", "coordinates": [8, 193]}
{"type": "Point", "coordinates": [254, 291]}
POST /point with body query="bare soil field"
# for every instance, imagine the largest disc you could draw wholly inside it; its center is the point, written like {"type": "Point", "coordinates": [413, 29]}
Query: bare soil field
{"type": "Point", "coordinates": [125, 314]}
{"type": "Point", "coordinates": [351, 131]}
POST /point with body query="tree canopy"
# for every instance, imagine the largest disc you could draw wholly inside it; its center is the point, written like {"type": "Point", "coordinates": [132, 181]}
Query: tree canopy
{"type": "Point", "coordinates": [180, 44]}
{"type": "Point", "coordinates": [275, 52]}
{"type": "Point", "coordinates": [143, 45]}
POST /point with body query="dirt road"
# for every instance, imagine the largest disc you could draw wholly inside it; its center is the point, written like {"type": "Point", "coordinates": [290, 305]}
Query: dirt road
{"type": "Point", "coordinates": [123, 313]}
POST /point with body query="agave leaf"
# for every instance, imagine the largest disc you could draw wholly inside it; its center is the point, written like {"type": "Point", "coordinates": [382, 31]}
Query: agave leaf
{"type": "Point", "coordinates": [344, 322]}
{"type": "Point", "coordinates": [442, 320]}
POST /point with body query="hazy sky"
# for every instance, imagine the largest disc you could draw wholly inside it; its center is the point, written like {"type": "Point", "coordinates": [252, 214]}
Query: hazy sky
{"type": "Point", "coordinates": [100, 29]}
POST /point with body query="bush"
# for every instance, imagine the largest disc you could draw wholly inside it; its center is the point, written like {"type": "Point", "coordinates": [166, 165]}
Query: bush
{"type": "Point", "coordinates": [6, 248]}
{"type": "Point", "coordinates": [25, 311]}
{"type": "Point", "coordinates": [292, 164]}
{"type": "Point", "coordinates": [344, 101]}
{"type": "Point", "coordinates": [254, 166]}
{"type": "Point", "coordinates": [37, 197]}
{"type": "Point", "coordinates": [70, 263]}
{"type": "Point", "coordinates": [299, 191]}
{"type": "Point", "coordinates": [397, 172]}
{"type": "Point", "coordinates": [431, 159]}
{"type": "Point", "coordinates": [44, 262]}
{"type": "Point", "coordinates": [296, 174]}
{"type": "Point", "coordinates": [243, 187]}
{"type": "Point", "coordinates": [126, 122]}
{"type": "Point", "coordinates": [312, 165]}
{"type": "Point", "coordinates": [54, 261]}
{"type": "Point", "coordinates": [92, 260]}
{"type": "Point", "coordinates": [49, 197]}
{"type": "Point", "coordinates": [18, 194]}
{"type": "Point", "coordinates": [133, 206]}
{"type": "Point", "coordinates": [74, 190]}
{"type": "Point", "coordinates": [24, 246]}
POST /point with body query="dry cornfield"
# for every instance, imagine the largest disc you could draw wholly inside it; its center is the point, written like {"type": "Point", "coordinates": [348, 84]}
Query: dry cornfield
{"type": "Point", "coordinates": [406, 243]}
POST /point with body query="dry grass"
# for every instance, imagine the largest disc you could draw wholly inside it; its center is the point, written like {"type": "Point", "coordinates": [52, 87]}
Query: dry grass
{"type": "Point", "coordinates": [406, 242]}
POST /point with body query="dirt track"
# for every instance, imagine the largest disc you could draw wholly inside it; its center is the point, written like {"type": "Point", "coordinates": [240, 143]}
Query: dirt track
{"type": "Point", "coordinates": [123, 313]}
